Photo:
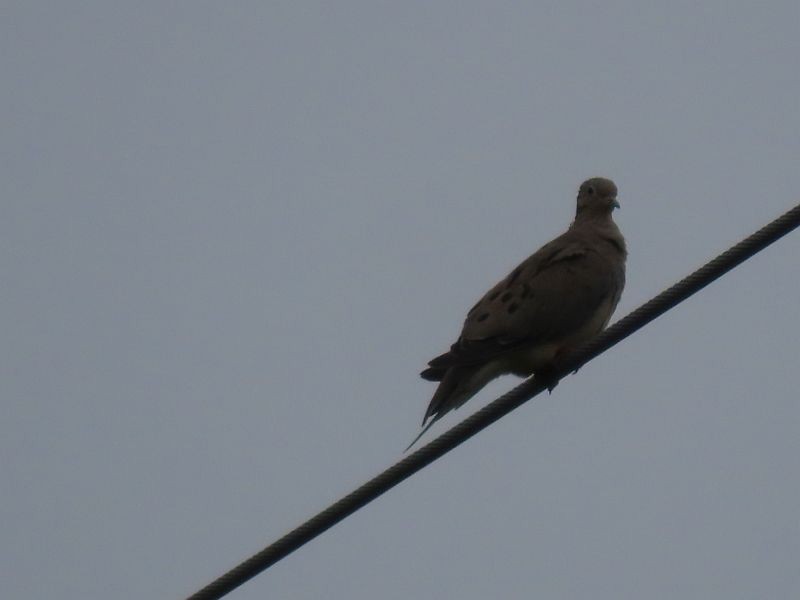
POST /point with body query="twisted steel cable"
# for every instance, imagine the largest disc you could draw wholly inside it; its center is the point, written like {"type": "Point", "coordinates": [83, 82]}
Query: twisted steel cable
{"type": "Point", "coordinates": [409, 465]}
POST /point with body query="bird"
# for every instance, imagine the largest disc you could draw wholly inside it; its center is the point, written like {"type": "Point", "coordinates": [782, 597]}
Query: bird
{"type": "Point", "coordinates": [561, 296]}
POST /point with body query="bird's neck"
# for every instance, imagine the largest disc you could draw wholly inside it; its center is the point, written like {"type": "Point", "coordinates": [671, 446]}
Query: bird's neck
{"type": "Point", "coordinates": [599, 224]}
{"type": "Point", "coordinates": [593, 218]}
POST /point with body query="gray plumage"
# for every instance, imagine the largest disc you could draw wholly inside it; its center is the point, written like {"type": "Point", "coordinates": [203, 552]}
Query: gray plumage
{"type": "Point", "coordinates": [559, 297]}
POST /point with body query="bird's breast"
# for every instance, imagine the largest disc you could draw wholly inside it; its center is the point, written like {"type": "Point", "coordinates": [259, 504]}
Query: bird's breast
{"type": "Point", "coordinates": [529, 359]}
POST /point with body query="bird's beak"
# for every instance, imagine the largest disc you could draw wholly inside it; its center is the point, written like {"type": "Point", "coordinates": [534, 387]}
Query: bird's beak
{"type": "Point", "coordinates": [615, 203]}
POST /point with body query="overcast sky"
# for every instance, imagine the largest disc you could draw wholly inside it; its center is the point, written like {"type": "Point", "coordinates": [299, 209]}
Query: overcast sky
{"type": "Point", "coordinates": [234, 232]}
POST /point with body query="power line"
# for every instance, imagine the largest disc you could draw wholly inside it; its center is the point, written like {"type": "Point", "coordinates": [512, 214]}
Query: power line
{"type": "Point", "coordinates": [409, 465]}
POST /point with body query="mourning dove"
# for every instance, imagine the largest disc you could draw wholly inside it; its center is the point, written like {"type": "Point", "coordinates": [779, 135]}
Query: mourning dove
{"type": "Point", "coordinates": [559, 297]}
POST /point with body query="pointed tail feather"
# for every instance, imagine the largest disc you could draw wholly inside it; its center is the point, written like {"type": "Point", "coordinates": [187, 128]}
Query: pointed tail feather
{"type": "Point", "coordinates": [457, 386]}
{"type": "Point", "coordinates": [421, 433]}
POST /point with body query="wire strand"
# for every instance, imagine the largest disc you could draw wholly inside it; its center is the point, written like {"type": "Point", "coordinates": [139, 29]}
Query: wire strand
{"type": "Point", "coordinates": [464, 430]}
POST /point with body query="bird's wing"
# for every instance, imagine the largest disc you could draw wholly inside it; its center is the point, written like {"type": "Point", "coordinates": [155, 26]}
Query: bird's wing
{"type": "Point", "coordinates": [549, 296]}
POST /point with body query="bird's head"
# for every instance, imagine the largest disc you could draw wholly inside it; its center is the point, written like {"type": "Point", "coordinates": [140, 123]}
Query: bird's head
{"type": "Point", "coordinates": [597, 196]}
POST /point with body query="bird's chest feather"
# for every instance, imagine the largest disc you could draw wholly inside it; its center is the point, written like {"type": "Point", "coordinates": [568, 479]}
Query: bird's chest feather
{"type": "Point", "coordinates": [529, 359]}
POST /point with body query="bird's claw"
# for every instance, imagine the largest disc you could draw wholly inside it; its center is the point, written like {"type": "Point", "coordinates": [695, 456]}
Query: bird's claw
{"type": "Point", "coordinates": [549, 380]}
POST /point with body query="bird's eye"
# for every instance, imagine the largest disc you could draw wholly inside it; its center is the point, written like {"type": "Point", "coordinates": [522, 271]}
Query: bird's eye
{"type": "Point", "coordinates": [590, 190]}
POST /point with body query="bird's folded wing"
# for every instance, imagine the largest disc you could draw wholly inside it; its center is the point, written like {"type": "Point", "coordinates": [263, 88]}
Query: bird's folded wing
{"type": "Point", "coordinates": [548, 297]}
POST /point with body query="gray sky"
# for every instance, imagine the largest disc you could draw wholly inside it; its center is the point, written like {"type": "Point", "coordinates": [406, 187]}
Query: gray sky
{"type": "Point", "coordinates": [233, 233]}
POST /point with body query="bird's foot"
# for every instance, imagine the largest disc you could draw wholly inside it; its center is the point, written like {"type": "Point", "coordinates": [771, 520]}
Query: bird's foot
{"type": "Point", "coordinates": [549, 378]}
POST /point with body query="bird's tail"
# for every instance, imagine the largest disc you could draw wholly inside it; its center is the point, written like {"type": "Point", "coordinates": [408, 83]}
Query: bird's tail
{"type": "Point", "coordinates": [458, 385]}
{"type": "Point", "coordinates": [421, 433]}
